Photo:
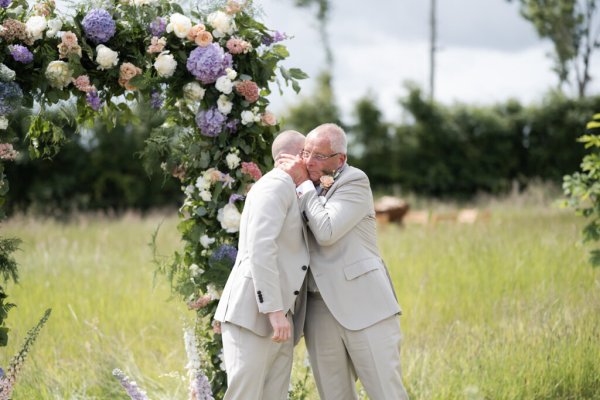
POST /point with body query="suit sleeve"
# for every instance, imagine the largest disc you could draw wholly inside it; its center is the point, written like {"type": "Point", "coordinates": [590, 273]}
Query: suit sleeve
{"type": "Point", "coordinates": [343, 210]}
{"type": "Point", "coordinates": [264, 226]}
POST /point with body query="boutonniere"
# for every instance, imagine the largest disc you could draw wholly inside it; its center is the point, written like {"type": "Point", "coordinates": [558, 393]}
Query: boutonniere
{"type": "Point", "coordinates": [327, 180]}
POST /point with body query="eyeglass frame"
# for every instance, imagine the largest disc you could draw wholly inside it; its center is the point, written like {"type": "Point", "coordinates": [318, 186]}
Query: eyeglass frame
{"type": "Point", "coordinates": [317, 156]}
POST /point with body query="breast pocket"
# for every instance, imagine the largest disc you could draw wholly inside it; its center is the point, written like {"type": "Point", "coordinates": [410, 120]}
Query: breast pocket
{"type": "Point", "coordinates": [362, 267]}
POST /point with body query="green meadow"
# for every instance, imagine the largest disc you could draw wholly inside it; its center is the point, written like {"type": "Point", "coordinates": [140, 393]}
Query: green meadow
{"type": "Point", "coordinates": [506, 308]}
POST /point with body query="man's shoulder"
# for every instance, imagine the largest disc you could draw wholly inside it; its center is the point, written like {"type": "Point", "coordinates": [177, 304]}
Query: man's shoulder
{"type": "Point", "coordinates": [352, 173]}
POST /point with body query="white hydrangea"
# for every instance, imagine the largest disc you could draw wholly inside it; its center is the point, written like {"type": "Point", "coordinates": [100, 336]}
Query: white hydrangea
{"type": "Point", "coordinates": [205, 195]}
{"type": "Point", "coordinates": [202, 183]}
{"type": "Point", "coordinates": [231, 73]}
{"type": "Point", "coordinates": [232, 160]}
{"type": "Point", "coordinates": [3, 122]}
{"type": "Point", "coordinates": [224, 105]}
{"type": "Point", "coordinates": [212, 291]}
{"type": "Point", "coordinates": [196, 270]}
{"type": "Point", "coordinates": [229, 217]}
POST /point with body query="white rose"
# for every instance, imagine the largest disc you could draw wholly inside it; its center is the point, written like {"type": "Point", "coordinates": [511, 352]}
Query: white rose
{"type": "Point", "coordinates": [224, 85]}
{"type": "Point", "coordinates": [231, 73]}
{"type": "Point", "coordinates": [165, 64]}
{"type": "Point", "coordinates": [205, 195]}
{"type": "Point", "coordinates": [59, 74]}
{"type": "Point", "coordinates": [229, 217]}
{"type": "Point", "coordinates": [180, 24]}
{"type": "Point", "coordinates": [196, 270]}
{"type": "Point", "coordinates": [36, 26]}
{"type": "Point", "coordinates": [206, 241]}
{"type": "Point", "coordinates": [193, 91]}
{"type": "Point", "coordinates": [232, 160]}
{"type": "Point", "coordinates": [222, 23]}
{"type": "Point", "coordinates": [247, 117]}
{"type": "Point", "coordinates": [54, 26]}
{"type": "Point", "coordinates": [224, 105]}
{"type": "Point", "coordinates": [3, 122]}
{"type": "Point", "coordinates": [213, 292]}
{"type": "Point", "coordinates": [105, 57]}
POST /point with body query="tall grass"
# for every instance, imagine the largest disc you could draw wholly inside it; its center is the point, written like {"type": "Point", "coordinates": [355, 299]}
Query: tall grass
{"type": "Point", "coordinates": [503, 309]}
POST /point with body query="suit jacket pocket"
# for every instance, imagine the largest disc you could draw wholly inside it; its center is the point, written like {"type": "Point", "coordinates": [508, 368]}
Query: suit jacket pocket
{"type": "Point", "coordinates": [359, 268]}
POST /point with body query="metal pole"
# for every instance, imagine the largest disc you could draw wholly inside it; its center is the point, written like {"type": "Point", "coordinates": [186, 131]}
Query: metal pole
{"type": "Point", "coordinates": [433, 49]}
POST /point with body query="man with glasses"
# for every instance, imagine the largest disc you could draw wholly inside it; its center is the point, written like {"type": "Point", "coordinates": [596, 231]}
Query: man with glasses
{"type": "Point", "coordinates": [352, 328]}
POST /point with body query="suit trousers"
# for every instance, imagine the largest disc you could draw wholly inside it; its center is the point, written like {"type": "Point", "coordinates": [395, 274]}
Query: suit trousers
{"type": "Point", "coordinates": [257, 367]}
{"type": "Point", "coordinates": [338, 356]}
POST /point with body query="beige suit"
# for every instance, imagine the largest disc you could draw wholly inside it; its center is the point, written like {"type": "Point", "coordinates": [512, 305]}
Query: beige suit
{"type": "Point", "coordinates": [268, 276]}
{"type": "Point", "coordinates": [352, 326]}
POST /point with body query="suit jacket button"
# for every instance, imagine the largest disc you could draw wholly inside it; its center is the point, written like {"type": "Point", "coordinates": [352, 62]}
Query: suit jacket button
{"type": "Point", "coordinates": [304, 268]}
{"type": "Point", "coordinates": [296, 292]}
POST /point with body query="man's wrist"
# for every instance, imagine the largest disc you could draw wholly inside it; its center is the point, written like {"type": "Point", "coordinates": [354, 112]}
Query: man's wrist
{"type": "Point", "coordinates": [305, 187]}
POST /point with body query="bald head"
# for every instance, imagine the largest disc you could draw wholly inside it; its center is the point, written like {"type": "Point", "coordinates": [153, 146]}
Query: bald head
{"type": "Point", "coordinates": [287, 142]}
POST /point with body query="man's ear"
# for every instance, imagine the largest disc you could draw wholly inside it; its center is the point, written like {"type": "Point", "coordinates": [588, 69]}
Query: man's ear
{"type": "Point", "coordinates": [342, 160]}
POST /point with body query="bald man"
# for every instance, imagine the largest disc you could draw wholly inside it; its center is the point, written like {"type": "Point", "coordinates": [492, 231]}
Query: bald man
{"type": "Point", "coordinates": [260, 316]}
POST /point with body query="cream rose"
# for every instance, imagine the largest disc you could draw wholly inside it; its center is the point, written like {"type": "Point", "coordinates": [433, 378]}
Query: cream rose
{"type": "Point", "coordinates": [54, 26]}
{"type": "Point", "coordinates": [165, 64]}
{"type": "Point", "coordinates": [193, 91]}
{"type": "Point", "coordinates": [231, 73]}
{"type": "Point", "coordinates": [180, 25]}
{"type": "Point", "coordinates": [222, 23]}
{"type": "Point", "coordinates": [229, 217]}
{"type": "Point", "coordinates": [105, 57]}
{"type": "Point", "coordinates": [247, 117]}
{"type": "Point", "coordinates": [206, 195]}
{"type": "Point", "coordinates": [59, 74]}
{"type": "Point", "coordinates": [36, 26]}
{"type": "Point", "coordinates": [268, 118]}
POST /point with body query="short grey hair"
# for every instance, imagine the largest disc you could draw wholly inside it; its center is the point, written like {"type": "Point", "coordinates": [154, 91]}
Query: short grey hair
{"type": "Point", "coordinates": [287, 142]}
{"type": "Point", "coordinates": [335, 134]}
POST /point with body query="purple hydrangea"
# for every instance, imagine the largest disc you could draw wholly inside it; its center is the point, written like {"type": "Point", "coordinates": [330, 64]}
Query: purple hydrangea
{"type": "Point", "coordinates": [232, 126]}
{"type": "Point", "coordinates": [158, 26]}
{"type": "Point", "coordinates": [208, 63]}
{"type": "Point", "coordinates": [156, 100]}
{"type": "Point", "coordinates": [274, 38]}
{"type": "Point", "coordinates": [210, 122]}
{"type": "Point", "coordinates": [20, 53]}
{"type": "Point", "coordinates": [236, 197]}
{"type": "Point", "coordinates": [93, 100]}
{"type": "Point", "coordinates": [223, 256]}
{"type": "Point", "coordinates": [5, 3]}
{"type": "Point", "coordinates": [10, 97]}
{"type": "Point", "coordinates": [99, 26]}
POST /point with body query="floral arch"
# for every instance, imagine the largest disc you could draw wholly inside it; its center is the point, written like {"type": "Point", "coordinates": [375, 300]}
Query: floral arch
{"type": "Point", "coordinates": [207, 68]}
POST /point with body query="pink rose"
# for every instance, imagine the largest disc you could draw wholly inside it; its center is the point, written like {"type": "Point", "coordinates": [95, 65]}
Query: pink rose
{"type": "Point", "coordinates": [268, 118]}
{"type": "Point", "coordinates": [326, 181]}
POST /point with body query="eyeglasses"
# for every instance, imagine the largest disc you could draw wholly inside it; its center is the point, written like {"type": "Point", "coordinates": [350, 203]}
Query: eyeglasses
{"type": "Point", "coordinates": [317, 156]}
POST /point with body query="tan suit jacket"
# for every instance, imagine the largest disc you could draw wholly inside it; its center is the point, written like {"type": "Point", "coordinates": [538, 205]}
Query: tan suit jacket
{"type": "Point", "coordinates": [272, 258]}
{"type": "Point", "coordinates": [344, 258]}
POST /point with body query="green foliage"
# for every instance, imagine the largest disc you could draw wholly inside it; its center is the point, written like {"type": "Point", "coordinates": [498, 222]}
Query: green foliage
{"type": "Point", "coordinates": [571, 26]}
{"type": "Point", "coordinates": [583, 188]}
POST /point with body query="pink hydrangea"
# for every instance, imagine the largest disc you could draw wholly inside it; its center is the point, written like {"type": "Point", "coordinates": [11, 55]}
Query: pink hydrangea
{"type": "Point", "coordinates": [251, 169]}
{"type": "Point", "coordinates": [248, 89]}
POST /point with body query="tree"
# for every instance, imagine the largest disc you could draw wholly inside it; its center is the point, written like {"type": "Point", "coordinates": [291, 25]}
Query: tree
{"type": "Point", "coordinates": [573, 26]}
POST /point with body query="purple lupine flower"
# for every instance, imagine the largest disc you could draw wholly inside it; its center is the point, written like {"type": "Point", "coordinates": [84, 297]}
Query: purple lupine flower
{"type": "Point", "coordinates": [10, 97]}
{"type": "Point", "coordinates": [158, 26]}
{"type": "Point", "coordinates": [208, 63]}
{"type": "Point", "coordinates": [93, 100]}
{"type": "Point", "coordinates": [236, 197]}
{"type": "Point", "coordinates": [223, 256]}
{"type": "Point", "coordinates": [274, 38]}
{"type": "Point", "coordinates": [5, 3]}
{"type": "Point", "coordinates": [99, 26]}
{"type": "Point", "coordinates": [130, 386]}
{"type": "Point", "coordinates": [200, 387]}
{"type": "Point", "coordinates": [210, 122]}
{"type": "Point", "coordinates": [20, 53]}
{"type": "Point", "coordinates": [156, 100]}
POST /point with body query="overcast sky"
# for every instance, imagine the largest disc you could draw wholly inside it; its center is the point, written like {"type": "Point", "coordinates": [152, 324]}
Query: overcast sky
{"type": "Point", "coordinates": [488, 52]}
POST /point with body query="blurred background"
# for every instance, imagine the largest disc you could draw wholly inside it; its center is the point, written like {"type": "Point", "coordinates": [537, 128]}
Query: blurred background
{"type": "Point", "coordinates": [444, 100]}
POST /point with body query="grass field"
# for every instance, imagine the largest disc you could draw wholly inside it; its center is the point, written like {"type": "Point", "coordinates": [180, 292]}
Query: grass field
{"type": "Point", "coordinates": [503, 309]}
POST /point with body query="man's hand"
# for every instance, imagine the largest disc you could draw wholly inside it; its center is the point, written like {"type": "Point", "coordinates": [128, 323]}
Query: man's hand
{"type": "Point", "coordinates": [282, 330]}
{"type": "Point", "coordinates": [294, 166]}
